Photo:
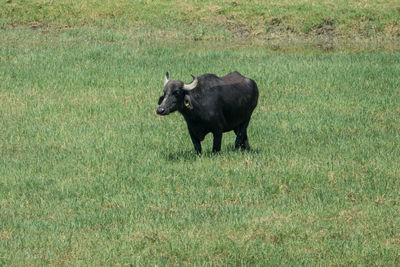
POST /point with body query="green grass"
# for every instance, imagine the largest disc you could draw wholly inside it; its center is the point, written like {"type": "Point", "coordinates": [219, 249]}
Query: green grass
{"type": "Point", "coordinates": [90, 175]}
{"type": "Point", "coordinates": [219, 19]}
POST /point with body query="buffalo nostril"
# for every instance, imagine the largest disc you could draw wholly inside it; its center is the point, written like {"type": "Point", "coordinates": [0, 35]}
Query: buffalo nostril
{"type": "Point", "coordinates": [160, 110]}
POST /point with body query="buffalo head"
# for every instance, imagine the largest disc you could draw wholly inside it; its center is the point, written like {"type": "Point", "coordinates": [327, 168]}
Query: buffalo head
{"type": "Point", "coordinates": [175, 95]}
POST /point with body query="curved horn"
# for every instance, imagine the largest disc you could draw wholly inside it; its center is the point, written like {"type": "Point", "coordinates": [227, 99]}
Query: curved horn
{"type": "Point", "coordinates": [166, 78]}
{"type": "Point", "coordinates": [192, 85]}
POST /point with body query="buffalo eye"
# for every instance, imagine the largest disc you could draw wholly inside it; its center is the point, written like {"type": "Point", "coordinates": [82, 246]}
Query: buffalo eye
{"type": "Point", "coordinates": [177, 93]}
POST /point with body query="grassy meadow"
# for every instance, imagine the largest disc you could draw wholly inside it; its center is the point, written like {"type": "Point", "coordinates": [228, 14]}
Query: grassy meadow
{"type": "Point", "coordinates": [90, 175]}
{"type": "Point", "coordinates": [213, 19]}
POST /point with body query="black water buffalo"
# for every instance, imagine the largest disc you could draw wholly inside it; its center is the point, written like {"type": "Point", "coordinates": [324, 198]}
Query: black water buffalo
{"type": "Point", "coordinates": [212, 104]}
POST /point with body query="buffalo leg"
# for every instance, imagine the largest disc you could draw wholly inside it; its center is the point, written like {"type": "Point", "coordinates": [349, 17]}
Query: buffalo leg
{"type": "Point", "coordinates": [242, 140]}
{"type": "Point", "coordinates": [196, 142]}
{"type": "Point", "coordinates": [238, 141]}
{"type": "Point", "coordinates": [217, 141]}
{"type": "Point", "coordinates": [245, 144]}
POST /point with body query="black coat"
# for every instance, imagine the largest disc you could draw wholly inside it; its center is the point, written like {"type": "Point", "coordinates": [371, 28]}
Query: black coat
{"type": "Point", "coordinates": [216, 105]}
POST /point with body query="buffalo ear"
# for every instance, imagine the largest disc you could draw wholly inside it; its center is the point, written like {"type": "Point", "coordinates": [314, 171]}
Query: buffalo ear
{"type": "Point", "coordinates": [187, 102]}
{"type": "Point", "coordinates": [160, 99]}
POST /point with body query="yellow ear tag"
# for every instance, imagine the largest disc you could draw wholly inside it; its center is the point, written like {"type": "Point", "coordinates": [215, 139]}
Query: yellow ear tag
{"type": "Point", "coordinates": [187, 104]}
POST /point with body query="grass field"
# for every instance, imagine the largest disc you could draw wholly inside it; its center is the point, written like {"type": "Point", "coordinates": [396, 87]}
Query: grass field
{"type": "Point", "coordinates": [213, 19]}
{"type": "Point", "coordinates": [89, 175]}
